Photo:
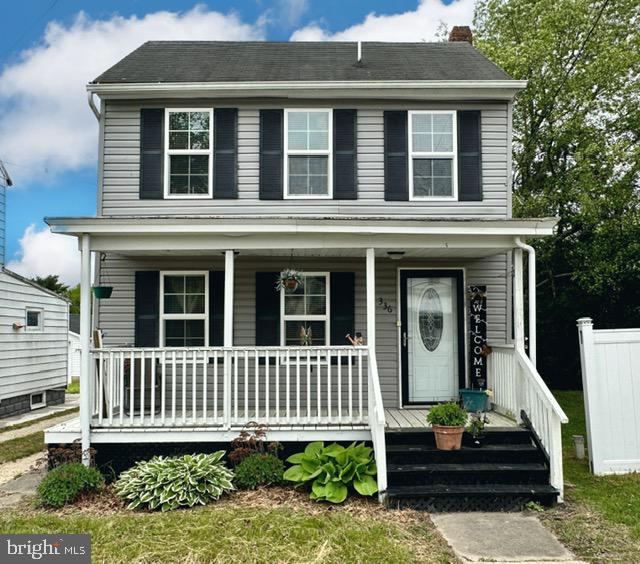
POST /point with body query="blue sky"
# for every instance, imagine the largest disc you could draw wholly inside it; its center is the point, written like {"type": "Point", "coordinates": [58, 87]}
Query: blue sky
{"type": "Point", "coordinates": [49, 50]}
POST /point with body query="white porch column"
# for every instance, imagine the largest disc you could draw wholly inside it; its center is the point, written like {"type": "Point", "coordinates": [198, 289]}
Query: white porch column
{"type": "Point", "coordinates": [229, 276]}
{"type": "Point", "coordinates": [518, 299]}
{"type": "Point", "coordinates": [531, 283]}
{"type": "Point", "coordinates": [85, 346]}
{"type": "Point", "coordinates": [371, 299]}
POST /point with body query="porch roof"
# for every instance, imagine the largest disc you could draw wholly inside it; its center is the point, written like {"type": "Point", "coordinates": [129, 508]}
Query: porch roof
{"type": "Point", "coordinates": [316, 235]}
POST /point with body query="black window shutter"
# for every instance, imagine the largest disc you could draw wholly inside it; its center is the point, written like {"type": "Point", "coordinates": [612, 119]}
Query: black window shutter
{"type": "Point", "coordinates": [147, 308]}
{"type": "Point", "coordinates": [216, 308]}
{"type": "Point", "coordinates": [152, 153]}
{"type": "Point", "coordinates": [345, 177]}
{"type": "Point", "coordinates": [469, 156]}
{"type": "Point", "coordinates": [267, 310]}
{"type": "Point", "coordinates": [342, 307]}
{"type": "Point", "coordinates": [396, 164]}
{"type": "Point", "coordinates": [271, 160]}
{"type": "Point", "coordinates": [225, 156]}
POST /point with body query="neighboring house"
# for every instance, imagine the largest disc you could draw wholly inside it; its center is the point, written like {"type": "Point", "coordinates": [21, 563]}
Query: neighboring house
{"type": "Point", "coordinates": [381, 172]}
{"type": "Point", "coordinates": [73, 372]}
{"type": "Point", "coordinates": [33, 345]}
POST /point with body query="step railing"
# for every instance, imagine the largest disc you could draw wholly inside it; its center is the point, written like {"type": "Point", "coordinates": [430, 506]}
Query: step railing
{"type": "Point", "coordinates": [377, 425]}
{"type": "Point", "coordinates": [230, 386]}
{"type": "Point", "coordinates": [518, 389]}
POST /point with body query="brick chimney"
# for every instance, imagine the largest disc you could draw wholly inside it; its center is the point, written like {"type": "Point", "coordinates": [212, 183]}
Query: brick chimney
{"type": "Point", "coordinates": [461, 33]}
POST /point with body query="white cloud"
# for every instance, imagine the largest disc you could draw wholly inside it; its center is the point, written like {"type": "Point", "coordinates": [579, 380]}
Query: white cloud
{"type": "Point", "coordinates": [45, 123]}
{"type": "Point", "coordinates": [43, 253]}
{"type": "Point", "coordinates": [420, 24]}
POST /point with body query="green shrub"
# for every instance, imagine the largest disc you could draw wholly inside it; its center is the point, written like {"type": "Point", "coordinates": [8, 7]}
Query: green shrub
{"type": "Point", "coordinates": [169, 483]}
{"type": "Point", "coordinates": [66, 482]}
{"type": "Point", "coordinates": [331, 470]}
{"type": "Point", "coordinates": [259, 470]}
{"type": "Point", "coordinates": [447, 415]}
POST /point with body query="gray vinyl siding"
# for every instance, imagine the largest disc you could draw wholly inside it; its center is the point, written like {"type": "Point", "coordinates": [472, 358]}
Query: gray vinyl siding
{"type": "Point", "coordinates": [31, 361]}
{"type": "Point", "coordinates": [116, 315]}
{"type": "Point", "coordinates": [120, 159]}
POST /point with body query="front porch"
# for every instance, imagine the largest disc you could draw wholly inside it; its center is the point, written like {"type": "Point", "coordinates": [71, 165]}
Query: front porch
{"type": "Point", "coordinates": [148, 392]}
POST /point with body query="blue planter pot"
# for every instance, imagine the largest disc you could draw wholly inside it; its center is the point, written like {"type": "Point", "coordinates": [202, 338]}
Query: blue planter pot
{"type": "Point", "coordinates": [474, 400]}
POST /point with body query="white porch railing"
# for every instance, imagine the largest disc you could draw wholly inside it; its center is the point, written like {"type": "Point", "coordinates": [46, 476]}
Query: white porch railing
{"type": "Point", "coordinates": [518, 389]}
{"type": "Point", "coordinates": [230, 386]}
{"type": "Point", "coordinates": [377, 425]}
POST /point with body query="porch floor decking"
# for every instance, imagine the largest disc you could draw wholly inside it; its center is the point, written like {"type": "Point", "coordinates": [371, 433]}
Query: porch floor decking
{"type": "Point", "coordinates": [416, 418]}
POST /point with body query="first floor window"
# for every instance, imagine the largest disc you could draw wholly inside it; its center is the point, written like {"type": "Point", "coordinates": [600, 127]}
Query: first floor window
{"type": "Point", "coordinates": [305, 312]}
{"type": "Point", "coordinates": [432, 146]}
{"type": "Point", "coordinates": [183, 309]}
{"type": "Point", "coordinates": [308, 153]}
{"type": "Point", "coordinates": [189, 156]}
{"type": "Point", "coordinates": [33, 319]}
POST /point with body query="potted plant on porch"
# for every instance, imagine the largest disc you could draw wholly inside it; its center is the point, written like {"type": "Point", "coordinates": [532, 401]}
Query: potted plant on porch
{"type": "Point", "coordinates": [475, 428]}
{"type": "Point", "coordinates": [448, 421]}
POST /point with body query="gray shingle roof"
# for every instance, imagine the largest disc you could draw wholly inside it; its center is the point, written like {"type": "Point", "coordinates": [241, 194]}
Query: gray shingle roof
{"type": "Point", "coordinates": [234, 61]}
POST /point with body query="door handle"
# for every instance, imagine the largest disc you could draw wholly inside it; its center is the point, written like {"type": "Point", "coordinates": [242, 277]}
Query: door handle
{"type": "Point", "coordinates": [404, 339]}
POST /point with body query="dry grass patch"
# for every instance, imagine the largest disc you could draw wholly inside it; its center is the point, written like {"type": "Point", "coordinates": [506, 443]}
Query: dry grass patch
{"type": "Point", "coordinates": [269, 525]}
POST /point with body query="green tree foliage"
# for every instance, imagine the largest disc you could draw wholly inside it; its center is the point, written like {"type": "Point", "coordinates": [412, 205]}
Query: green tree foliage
{"type": "Point", "coordinates": [576, 156]}
{"type": "Point", "coordinates": [52, 282]}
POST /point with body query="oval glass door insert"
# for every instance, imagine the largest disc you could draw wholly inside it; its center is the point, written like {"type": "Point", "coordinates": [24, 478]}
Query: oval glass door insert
{"type": "Point", "coordinates": [430, 319]}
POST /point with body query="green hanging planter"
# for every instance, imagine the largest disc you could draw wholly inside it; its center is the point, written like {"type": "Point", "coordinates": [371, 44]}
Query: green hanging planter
{"type": "Point", "coordinates": [102, 292]}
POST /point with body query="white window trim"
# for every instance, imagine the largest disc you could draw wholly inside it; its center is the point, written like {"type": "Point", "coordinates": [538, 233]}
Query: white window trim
{"type": "Point", "coordinates": [326, 317]}
{"type": "Point", "coordinates": [311, 152]}
{"type": "Point", "coordinates": [434, 155]}
{"type": "Point", "coordinates": [168, 152]}
{"type": "Point", "coordinates": [38, 328]}
{"type": "Point", "coordinates": [43, 403]}
{"type": "Point", "coordinates": [181, 316]}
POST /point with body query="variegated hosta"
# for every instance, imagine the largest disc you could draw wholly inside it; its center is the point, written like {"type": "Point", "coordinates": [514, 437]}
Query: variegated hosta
{"type": "Point", "coordinates": [331, 470]}
{"type": "Point", "coordinates": [169, 483]}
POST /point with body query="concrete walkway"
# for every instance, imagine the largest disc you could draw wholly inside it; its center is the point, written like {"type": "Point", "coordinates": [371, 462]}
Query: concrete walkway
{"type": "Point", "coordinates": [500, 537]}
{"type": "Point", "coordinates": [23, 486]}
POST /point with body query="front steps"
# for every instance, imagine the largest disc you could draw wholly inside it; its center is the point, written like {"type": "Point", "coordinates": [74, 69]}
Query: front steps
{"type": "Point", "coordinates": [507, 472]}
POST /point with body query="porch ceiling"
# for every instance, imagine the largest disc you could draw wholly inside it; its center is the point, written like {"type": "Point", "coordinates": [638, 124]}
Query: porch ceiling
{"type": "Point", "coordinates": [308, 236]}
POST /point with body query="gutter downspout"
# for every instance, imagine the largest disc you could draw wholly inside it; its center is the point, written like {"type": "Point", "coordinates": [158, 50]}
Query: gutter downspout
{"type": "Point", "coordinates": [531, 263]}
{"type": "Point", "coordinates": [92, 105]}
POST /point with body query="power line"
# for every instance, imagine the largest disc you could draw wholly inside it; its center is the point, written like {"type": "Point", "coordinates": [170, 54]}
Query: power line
{"type": "Point", "coordinates": [31, 26]}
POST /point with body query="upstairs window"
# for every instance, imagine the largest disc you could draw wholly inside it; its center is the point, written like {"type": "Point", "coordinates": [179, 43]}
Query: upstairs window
{"type": "Point", "coordinates": [189, 155]}
{"type": "Point", "coordinates": [432, 161]}
{"type": "Point", "coordinates": [308, 166]}
{"type": "Point", "coordinates": [183, 309]}
{"type": "Point", "coordinates": [305, 312]}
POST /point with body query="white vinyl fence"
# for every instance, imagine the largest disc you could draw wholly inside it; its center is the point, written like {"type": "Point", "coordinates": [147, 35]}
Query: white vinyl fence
{"type": "Point", "coordinates": [611, 384]}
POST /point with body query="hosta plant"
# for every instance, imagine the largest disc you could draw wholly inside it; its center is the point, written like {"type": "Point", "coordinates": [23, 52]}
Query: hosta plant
{"type": "Point", "coordinates": [333, 469]}
{"type": "Point", "coordinates": [169, 483]}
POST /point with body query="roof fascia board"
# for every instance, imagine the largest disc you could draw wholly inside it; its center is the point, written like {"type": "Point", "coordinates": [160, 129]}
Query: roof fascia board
{"type": "Point", "coordinates": [448, 89]}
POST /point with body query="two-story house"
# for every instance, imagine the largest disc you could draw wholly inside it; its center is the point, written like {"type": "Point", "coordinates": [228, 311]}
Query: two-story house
{"type": "Point", "coordinates": [380, 173]}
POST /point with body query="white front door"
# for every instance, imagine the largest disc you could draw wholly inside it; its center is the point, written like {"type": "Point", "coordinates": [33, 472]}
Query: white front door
{"type": "Point", "coordinates": [432, 334]}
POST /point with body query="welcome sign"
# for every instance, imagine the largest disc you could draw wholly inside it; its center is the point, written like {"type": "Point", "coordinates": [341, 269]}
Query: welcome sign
{"type": "Point", "coordinates": [478, 336]}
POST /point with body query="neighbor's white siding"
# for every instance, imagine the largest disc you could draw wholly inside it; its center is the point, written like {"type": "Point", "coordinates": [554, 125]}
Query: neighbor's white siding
{"type": "Point", "coordinates": [74, 357]}
{"type": "Point", "coordinates": [31, 361]}
{"type": "Point", "coordinates": [121, 158]}
{"type": "Point", "coordinates": [116, 315]}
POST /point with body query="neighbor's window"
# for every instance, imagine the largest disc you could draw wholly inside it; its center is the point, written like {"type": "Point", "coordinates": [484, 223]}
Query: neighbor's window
{"type": "Point", "coordinates": [183, 309]}
{"type": "Point", "coordinates": [305, 312]}
{"type": "Point", "coordinates": [308, 153]}
{"type": "Point", "coordinates": [38, 400]}
{"type": "Point", "coordinates": [188, 161]}
{"type": "Point", "coordinates": [33, 319]}
{"type": "Point", "coordinates": [432, 164]}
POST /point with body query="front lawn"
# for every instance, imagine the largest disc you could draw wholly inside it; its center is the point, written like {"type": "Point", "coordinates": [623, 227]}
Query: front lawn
{"type": "Point", "coordinates": [21, 447]}
{"type": "Point", "coordinates": [277, 525]}
{"type": "Point", "coordinates": [601, 517]}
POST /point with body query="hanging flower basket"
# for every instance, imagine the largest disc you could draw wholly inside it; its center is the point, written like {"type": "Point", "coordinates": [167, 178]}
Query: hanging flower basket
{"type": "Point", "coordinates": [102, 292]}
{"type": "Point", "coordinates": [289, 280]}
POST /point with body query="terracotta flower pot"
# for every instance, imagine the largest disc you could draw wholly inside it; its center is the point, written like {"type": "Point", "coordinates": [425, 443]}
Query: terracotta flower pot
{"type": "Point", "coordinates": [448, 438]}
{"type": "Point", "coordinates": [291, 283]}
